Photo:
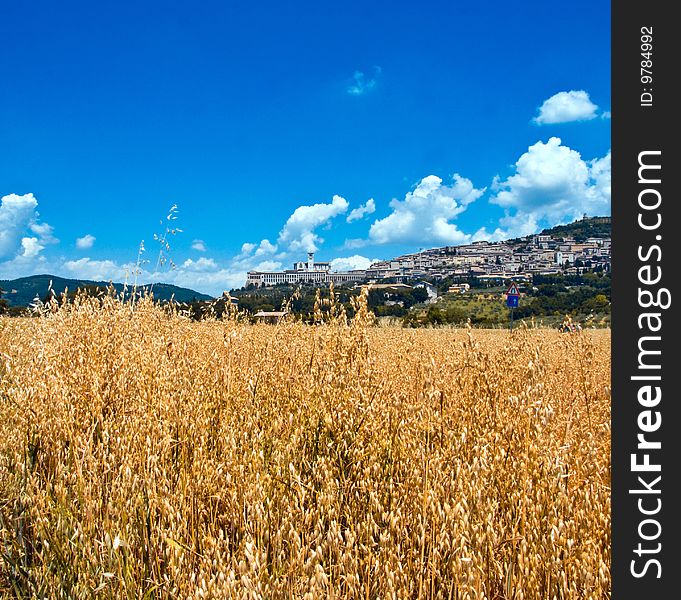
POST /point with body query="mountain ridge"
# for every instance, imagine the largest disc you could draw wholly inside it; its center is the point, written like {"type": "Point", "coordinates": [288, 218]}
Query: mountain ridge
{"type": "Point", "coordinates": [23, 290]}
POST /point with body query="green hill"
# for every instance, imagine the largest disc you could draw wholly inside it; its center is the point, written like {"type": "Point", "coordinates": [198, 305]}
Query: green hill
{"type": "Point", "coordinates": [22, 291]}
{"type": "Point", "coordinates": [582, 229]}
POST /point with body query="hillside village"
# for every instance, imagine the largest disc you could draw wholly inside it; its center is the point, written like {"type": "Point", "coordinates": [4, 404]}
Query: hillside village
{"type": "Point", "coordinates": [516, 259]}
{"type": "Point", "coordinates": [520, 259]}
{"type": "Point", "coordinates": [561, 271]}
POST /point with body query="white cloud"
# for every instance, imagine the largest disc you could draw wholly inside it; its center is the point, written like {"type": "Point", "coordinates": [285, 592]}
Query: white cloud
{"type": "Point", "coordinates": [199, 245]}
{"type": "Point", "coordinates": [85, 242]}
{"type": "Point", "coordinates": [98, 270]}
{"type": "Point", "coordinates": [213, 282]}
{"type": "Point", "coordinates": [601, 175]}
{"type": "Point", "coordinates": [30, 247]}
{"type": "Point", "coordinates": [361, 83]}
{"type": "Point", "coordinates": [350, 263]}
{"type": "Point", "coordinates": [247, 248]}
{"type": "Point", "coordinates": [552, 183]}
{"type": "Point", "coordinates": [250, 251]}
{"type": "Point", "coordinates": [44, 232]}
{"type": "Point", "coordinates": [16, 214]}
{"type": "Point", "coordinates": [361, 211]}
{"type": "Point", "coordinates": [18, 220]}
{"type": "Point", "coordinates": [267, 265]}
{"type": "Point", "coordinates": [210, 277]}
{"type": "Point", "coordinates": [354, 243]}
{"type": "Point", "coordinates": [203, 275]}
{"type": "Point", "coordinates": [298, 234]}
{"type": "Point", "coordinates": [424, 216]}
{"type": "Point", "coordinates": [203, 264]}
{"type": "Point", "coordinates": [564, 107]}
{"type": "Point", "coordinates": [27, 262]}
{"type": "Point", "coordinates": [265, 248]}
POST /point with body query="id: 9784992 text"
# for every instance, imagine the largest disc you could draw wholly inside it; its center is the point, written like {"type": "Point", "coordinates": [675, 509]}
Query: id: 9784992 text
{"type": "Point", "coordinates": [647, 66]}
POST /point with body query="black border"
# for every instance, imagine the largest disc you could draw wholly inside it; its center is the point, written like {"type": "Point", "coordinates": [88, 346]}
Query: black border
{"type": "Point", "coordinates": [637, 128]}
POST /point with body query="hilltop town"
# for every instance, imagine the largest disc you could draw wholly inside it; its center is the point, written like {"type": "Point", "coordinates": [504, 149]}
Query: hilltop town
{"type": "Point", "coordinates": [581, 247]}
{"type": "Point", "coordinates": [560, 271]}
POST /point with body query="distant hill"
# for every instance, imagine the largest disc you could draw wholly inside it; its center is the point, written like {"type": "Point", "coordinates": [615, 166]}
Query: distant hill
{"type": "Point", "coordinates": [22, 291]}
{"type": "Point", "coordinates": [582, 229]}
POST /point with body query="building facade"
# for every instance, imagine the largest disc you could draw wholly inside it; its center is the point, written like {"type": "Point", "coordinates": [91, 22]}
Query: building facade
{"type": "Point", "coordinates": [318, 273]}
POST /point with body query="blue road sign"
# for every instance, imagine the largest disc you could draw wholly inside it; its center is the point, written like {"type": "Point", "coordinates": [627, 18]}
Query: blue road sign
{"type": "Point", "coordinates": [512, 301]}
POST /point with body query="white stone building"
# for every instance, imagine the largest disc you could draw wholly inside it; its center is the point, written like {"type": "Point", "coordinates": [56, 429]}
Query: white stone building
{"type": "Point", "coordinates": [304, 272]}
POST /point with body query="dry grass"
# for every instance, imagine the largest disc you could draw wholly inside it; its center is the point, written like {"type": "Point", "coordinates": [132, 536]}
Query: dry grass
{"type": "Point", "coordinates": [143, 455]}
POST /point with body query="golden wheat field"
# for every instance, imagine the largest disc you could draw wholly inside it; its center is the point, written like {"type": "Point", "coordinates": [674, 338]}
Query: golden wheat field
{"type": "Point", "coordinates": [144, 455]}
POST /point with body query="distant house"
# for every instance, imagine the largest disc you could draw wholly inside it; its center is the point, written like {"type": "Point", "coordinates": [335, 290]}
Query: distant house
{"type": "Point", "coordinates": [431, 290]}
{"type": "Point", "coordinates": [459, 288]}
{"type": "Point", "coordinates": [270, 316]}
{"type": "Point", "coordinates": [563, 257]}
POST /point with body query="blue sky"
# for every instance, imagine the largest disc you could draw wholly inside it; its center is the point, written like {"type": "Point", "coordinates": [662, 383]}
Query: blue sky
{"type": "Point", "coordinates": [360, 130]}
